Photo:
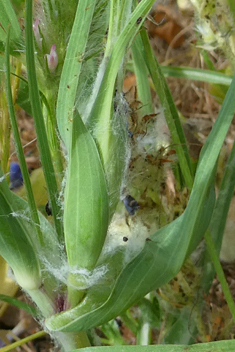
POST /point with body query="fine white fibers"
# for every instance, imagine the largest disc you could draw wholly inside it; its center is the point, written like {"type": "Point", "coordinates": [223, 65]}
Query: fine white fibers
{"type": "Point", "coordinates": [84, 278]}
{"type": "Point", "coordinates": [125, 173]}
{"type": "Point", "coordinates": [157, 135]}
{"type": "Point", "coordinates": [60, 272]}
{"type": "Point", "coordinates": [95, 90]}
{"type": "Point", "coordinates": [117, 230]}
{"type": "Point", "coordinates": [136, 241]}
{"type": "Point", "coordinates": [121, 112]}
{"type": "Point", "coordinates": [21, 214]}
{"type": "Point", "coordinates": [162, 131]}
{"type": "Point", "coordinates": [128, 234]}
{"type": "Point", "coordinates": [3, 178]}
{"type": "Point", "coordinates": [120, 236]}
{"type": "Point", "coordinates": [60, 200]}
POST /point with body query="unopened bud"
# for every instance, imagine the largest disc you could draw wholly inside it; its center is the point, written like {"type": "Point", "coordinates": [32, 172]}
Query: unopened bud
{"type": "Point", "coordinates": [37, 33]}
{"type": "Point", "coordinates": [52, 59]}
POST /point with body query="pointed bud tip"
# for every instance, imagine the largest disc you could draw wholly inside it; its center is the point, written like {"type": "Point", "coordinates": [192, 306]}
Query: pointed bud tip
{"type": "Point", "coordinates": [52, 59]}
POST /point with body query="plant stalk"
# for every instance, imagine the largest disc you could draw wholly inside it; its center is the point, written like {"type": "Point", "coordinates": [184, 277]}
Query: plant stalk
{"type": "Point", "coordinates": [71, 340]}
{"type": "Point", "coordinates": [219, 271]}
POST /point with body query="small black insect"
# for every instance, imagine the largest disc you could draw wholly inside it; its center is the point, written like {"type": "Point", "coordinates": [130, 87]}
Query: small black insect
{"type": "Point", "coordinates": [139, 20]}
{"type": "Point", "coordinates": [131, 204]}
{"type": "Point", "coordinates": [118, 321]}
{"type": "Point", "coordinates": [130, 134]}
{"type": "Point", "coordinates": [48, 208]}
{"type": "Point", "coordinates": [125, 239]}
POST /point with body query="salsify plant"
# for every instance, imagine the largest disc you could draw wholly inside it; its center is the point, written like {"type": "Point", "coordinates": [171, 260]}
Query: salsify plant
{"type": "Point", "coordinates": [99, 155]}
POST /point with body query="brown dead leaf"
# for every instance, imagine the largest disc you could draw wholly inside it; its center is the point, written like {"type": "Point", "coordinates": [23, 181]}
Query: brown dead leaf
{"type": "Point", "coordinates": [165, 27]}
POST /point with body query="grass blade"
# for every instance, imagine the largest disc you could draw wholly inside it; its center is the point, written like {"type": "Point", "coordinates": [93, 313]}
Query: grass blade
{"type": "Point", "coordinates": [141, 73]}
{"type": "Point", "coordinates": [101, 116]}
{"type": "Point", "coordinates": [218, 220]}
{"type": "Point", "coordinates": [8, 16]}
{"type": "Point", "coordinates": [19, 304]}
{"type": "Point", "coordinates": [72, 67]}
{"type": "Point", "coordinates": [19, 148]}
{"type": "Point", "coordinates": [197, 74]}
{"type": "Point", "coordinates": [171, 114]}
{"type": "Point", "coordinates": [39, 122]}
{"type": "Point", "coordinates": [219, 271]}
{"type": "Point", "coordinates": [218, 346]}
{"type": "Point", "coordinates": [225, 195]}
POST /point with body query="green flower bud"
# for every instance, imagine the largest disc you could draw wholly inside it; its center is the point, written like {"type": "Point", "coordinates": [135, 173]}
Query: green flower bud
{"type": "Point", "coordinates": [15, 245]}
{"type": "Point", "coordinates": [86, 212]}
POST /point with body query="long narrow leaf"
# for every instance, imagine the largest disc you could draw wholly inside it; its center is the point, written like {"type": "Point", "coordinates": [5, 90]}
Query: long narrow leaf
{"type": "Point", "coordinates": [197, 74]}
{"type": "Point", "coordinates": [220, 274]}
{"type": "Point", "coordinates": [8, 16]}
{"type": "Point", "coordinates": [102, 109]}
{"type": "Point", "coordinates": [72, 67]}
{"type": "Point", "coordinates": [193, 73]}
{"type": "Point", "coordinates": [19, 148]}
{"type": "Point", "coordinates": [108, 129]}
{"type": "Point", "coordinates": [171, 114]}
{"type": "Point", "coordinates": [225, 195]}
{"type": "Point", "coordinates": [19, 304]}
{"type": "Point", "coordinates": [141, 73]}
{"type": "Point", "coordinates": [219, 217]}
{"type": "Point", "coordinates": [39, 122]}
{"type": "Point", "coordinates": [219, 346]}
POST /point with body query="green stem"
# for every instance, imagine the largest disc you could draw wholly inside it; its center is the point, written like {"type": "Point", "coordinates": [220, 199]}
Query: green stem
{"type": "Point", "coordinates": [112, 33]}
{"type": "Point", "coordinates": [143, 336]}
{"type": "Point", "coordinates": [141, 73]}
{"type": "Point", "coordinates": [129, 321]}
{"type": "Point", "coordinates": [219, 271]}
{"type": "Point", "coordinates": [145, 331]}
{"type": "Point", "coordinates": [43, 301]}
{"type": "Point", "coordinates": [49, 116]}
{"type": "Point", "coordinates": [72, 340]}
{"type": "Point", "coordinates": [22, 341]}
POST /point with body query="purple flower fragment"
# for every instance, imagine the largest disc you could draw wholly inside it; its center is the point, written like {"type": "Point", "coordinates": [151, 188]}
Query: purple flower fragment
{"type": "Point", "coordinates": [16, 179]}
